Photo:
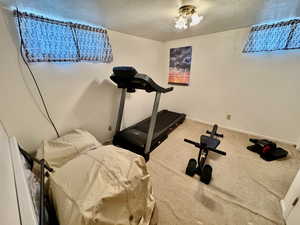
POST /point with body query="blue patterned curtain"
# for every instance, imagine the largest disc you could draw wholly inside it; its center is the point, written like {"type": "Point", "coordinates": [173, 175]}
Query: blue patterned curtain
{"type": "Point", "coordinates": [48, 40]}
{"type": "Point", "coordinates": [271, 37]}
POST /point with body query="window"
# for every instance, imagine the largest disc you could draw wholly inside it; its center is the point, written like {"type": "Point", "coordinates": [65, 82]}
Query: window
{"type": "Point", "coordinates": [47, 40]}
{"type": "Point", "coordinates": [294, 42]}
{"type": "Point", "coordinates": [271, 37]}
{"type": "Point", "coordinates": [93, 45]}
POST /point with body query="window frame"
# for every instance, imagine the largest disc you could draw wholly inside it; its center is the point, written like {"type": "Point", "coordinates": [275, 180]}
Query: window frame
{"type": "Point", "coordinates": [293, 23]}
{"type": "Point", "coordinates": [105, 57]}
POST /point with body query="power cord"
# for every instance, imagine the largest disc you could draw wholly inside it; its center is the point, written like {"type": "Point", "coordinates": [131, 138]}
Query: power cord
{"type": "Point", "coordinates": [33, 77]}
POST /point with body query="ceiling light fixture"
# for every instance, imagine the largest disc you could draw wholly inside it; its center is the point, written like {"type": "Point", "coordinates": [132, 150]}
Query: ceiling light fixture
{"type": "Point", "coordinates": [187, 17]}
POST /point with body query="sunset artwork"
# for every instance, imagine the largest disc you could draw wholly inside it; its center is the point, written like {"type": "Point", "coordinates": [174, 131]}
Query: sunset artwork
{"type": "Point", "coordinates": [180, 65]}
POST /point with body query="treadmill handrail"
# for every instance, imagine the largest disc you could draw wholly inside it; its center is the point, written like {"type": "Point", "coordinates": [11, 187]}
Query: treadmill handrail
{"type": "Point", "coordinates": [169, 89]}
{"type": "Point", "coordinates": [154, 86]}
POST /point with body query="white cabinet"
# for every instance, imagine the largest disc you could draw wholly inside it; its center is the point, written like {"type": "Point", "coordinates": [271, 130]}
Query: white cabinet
{"type": "Point", "coordinates": [294, 216]}
{"type": "Point", "coordinates": [16, 205]}
{"type": "Point", "coordinates": [291, 203]}
{"type": "Point", "coordinates": [8, 200]}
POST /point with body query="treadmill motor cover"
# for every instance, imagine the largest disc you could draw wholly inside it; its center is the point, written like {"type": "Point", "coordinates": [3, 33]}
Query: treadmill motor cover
{"type": "Point", "coordinates": [100, 185]}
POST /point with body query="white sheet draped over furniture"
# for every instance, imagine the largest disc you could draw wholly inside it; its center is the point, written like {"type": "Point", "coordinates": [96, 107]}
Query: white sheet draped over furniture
{"type": "Point", "coordinates": [95, 184]}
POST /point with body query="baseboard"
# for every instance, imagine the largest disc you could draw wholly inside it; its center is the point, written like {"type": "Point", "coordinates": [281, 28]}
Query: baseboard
{"type": "Point", "coordinates": [283, 209]}
{"type": "Point", "coordinates": [247, 132]}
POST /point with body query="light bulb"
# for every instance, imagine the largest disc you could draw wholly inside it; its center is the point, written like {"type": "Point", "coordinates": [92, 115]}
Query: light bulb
{"type": "Point", "coordinates": [196, 19]}
{"type": "Point", "coordinates": [181, 23]}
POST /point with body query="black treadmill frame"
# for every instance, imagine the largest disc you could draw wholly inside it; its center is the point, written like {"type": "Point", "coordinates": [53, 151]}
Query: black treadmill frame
{"type": "Point", "coordinates": [128, 79]}
{"type": "Point", "coordinates": [147, 149]}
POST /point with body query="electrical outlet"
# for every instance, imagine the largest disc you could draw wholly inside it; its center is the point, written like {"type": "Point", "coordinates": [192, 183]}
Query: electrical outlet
{"type": "Point", "coordinates": [228, 117]}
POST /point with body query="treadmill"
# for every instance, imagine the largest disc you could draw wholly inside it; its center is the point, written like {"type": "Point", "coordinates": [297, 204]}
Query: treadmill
{"type": "Point", "coordinates": [145, 136]}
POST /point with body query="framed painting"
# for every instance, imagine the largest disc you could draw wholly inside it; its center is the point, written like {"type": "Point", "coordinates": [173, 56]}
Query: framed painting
{"type": "Point", "coordinates": [180, 65]}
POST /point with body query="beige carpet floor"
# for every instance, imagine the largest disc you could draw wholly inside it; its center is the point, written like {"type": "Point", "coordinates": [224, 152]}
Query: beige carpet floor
{"type": "Point", "coordinates": [245, 190]}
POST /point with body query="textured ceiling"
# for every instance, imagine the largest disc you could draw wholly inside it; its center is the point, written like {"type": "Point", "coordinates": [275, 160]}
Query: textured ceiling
{"type": "Point", "coordinates": [154, 19]}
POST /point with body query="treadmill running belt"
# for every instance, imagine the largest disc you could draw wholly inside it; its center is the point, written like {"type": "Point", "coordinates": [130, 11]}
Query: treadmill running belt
{"type": "Point", "coordinates": [134, 138]}
{"type": "Point", "coordinates": [165, 120]}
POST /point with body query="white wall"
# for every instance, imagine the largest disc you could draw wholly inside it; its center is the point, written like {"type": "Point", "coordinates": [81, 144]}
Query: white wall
{"type": "Point", "coordinates": [260, 91]}
{"type": "Point", "coordinates": [79, 95]}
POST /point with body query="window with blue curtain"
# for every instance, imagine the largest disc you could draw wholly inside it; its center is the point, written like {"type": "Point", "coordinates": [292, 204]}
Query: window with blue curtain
{"type": "Point", "coordinates": [93, 45]}
{"type": "Point", "coordinates": [294, 42]}
{"type": "Point", "coordinates": [48, 40]}
{"type": "Point", "coordinates": [271, 37]}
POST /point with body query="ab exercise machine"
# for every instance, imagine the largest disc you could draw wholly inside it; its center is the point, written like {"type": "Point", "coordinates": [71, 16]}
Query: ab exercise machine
{"type": "Point", "coordinates": [207, 143]}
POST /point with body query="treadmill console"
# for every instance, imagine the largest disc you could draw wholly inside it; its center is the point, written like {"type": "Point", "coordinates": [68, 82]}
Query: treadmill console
{"type": "Point", "coordinates": [125, 71]}
{"type": "Point", "coordinates": [127, 77]}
